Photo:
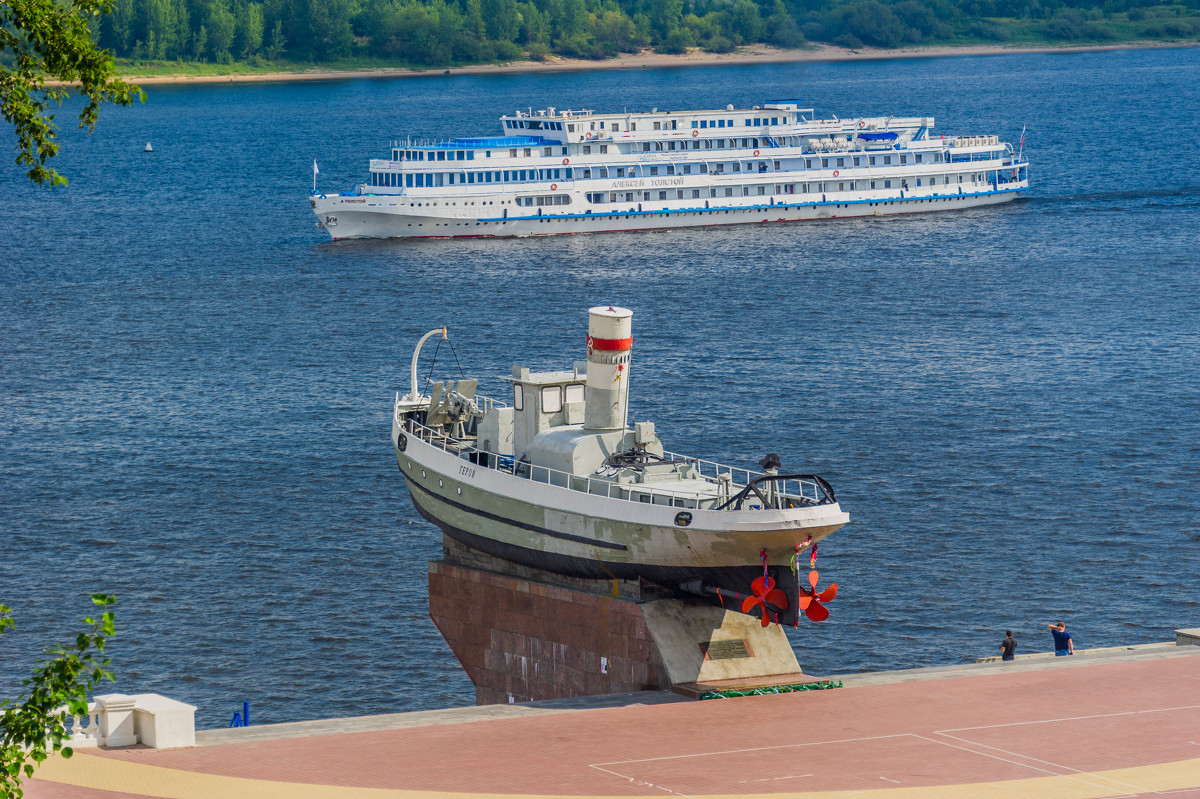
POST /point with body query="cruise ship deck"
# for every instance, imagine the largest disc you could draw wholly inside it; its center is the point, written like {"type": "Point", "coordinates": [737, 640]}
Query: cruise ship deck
{"type": "Point", "coordinates": [1093, 725]}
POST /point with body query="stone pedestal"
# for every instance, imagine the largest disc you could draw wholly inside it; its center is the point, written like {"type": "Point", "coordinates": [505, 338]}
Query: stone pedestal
{"type": "Point", "coordinates": [524, 635]}
{"type": "Point", "coordinates": [116, 719]}
{"type": "Point", "coordinates": [163, 723]}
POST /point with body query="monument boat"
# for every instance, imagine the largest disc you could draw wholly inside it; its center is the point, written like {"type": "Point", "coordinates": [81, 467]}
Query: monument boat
{"type": "Point", "coordinates": [558, 481]}
{"type": "Point", "coordinates": [555, 171]}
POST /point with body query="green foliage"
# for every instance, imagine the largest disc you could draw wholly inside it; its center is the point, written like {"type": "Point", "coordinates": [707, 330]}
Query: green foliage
{"type": "Point", "coordinates": [47, 41]}
{"type": "Point", "coordinates": [32, 727]}
{"type": "Point", "coordinates": [437, 33]}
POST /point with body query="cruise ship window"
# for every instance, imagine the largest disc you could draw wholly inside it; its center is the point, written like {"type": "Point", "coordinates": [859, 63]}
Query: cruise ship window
{"type": "Point", "coordinates": [824, 163]}
{"type": "Point", "coordinates": [872, 160]}
{"type": "Point", "coordinates": [872, 184]}
{"type": "Point", "coordinates": [808, 162]}
{"type": "Point", "coordinates": [662, 195]}
{"type": "Point", "coordinates": [616, 127]}
{"type": "Point", "coordinates": [528, 152]}
{"type": "Point", "coordinates": [620, 171]}
{"type": "Point", "coordinates": [687, 169]}
{"type": "Point", "coordinates": [745, 191]}
{"type": "Point", "coordinates": [918, 158]}
{"type": "Point", "coordinates": [441, 156]}
{"type": "Point", "coordinates": [462, 155]}
{"type": "Point", "coordinates": [571, 128]}
{"type": "Point", "coordinates": [674, 124]}
{"type": "Point", "coordinates": [587, 149]}
{"type": "Point", "coordinates": [645, 146]}
{"type": "Point", "coordinates": [601, 125]}
{"type": "Point", "coordinates": [904, 159]}
{"type": "Point", "coordinates": [695, 144]}
{"type": "Point", "coordinates": [545, 151]}
{"type": "Point", "coordinates": [695, 124]}
{"type": "Point", "coordinates": [670, 169]}
{"type": "Point", "coordinates": [887, 184]}
{"type": "Point", "coordinates": [671, 145]}
{"type": "Point", "coordinates": [856, 160]}
{"type": "Point", "coordinates": [695, 194]}
{"type": "Point", "coordinates": [658, 145]}
{"type": "Point", "coordinates": [841, 187]}
{"type": "Point", "coordinates": [737, 167]}
{"type": "Point", "coordinates": [653, 170]}
{"type": "Point", "coordinates": [841, 162]}
{"type": "Point", "coordinates": [603, 171]}
{"type": "Point", "coordinates": [762, 189]}
{"type": "Point", "coordinates": [679, 194]}
{"type": "Point", "coordinates": [658, 126]}
{"type": "Point", "coordinates": [729, 192]}
{"type": "Point", "coordinates": [603, 149]}
{"type": "Point", "coordinates": [887, 159]}
{"type": "Point", "coordinates": [512, 153]}
{"type": "Point", "coordinates": [633, 126]}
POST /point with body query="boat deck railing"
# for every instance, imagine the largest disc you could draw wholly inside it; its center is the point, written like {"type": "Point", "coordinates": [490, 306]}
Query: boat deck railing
{"type": "Point", "coordinates": [727, 486]}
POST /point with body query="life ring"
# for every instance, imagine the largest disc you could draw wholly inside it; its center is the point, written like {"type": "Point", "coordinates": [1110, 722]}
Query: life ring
{"type": "Point", "coordinates": [756, 152]}
{"type": "Point", "coordinates": [566, 161]}
{"type": "Point", "coordinates": [589, 134]}
{"type": "Point", "coordinates": [861, 124]}
{"type": "Point", "coordinates": [836, 173]}
{"type": "Point", "coordinates": [553, 187]}
{"type": "Point", "coordinates": [695, 133]}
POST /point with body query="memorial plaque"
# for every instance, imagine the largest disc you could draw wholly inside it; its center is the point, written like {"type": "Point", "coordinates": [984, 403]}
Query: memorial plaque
{"type": "Point", "coordinates": [729, 649]}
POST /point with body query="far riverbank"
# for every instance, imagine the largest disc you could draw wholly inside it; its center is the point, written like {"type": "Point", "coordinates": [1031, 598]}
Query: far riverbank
{"type": "Point", "coordinates": [757, 54]}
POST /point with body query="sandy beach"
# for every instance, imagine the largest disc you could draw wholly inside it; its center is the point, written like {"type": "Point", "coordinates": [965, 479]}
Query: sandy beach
{"type": "Point", "coordinates": [756, 54]}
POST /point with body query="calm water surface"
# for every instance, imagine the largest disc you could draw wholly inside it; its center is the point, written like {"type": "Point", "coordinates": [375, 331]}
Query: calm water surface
{"type": "Point", "coordinates": [195, 384]}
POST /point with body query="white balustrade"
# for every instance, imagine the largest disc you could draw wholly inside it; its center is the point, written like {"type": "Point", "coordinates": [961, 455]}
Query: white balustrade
{"type": "Point", "coordinates": [124, 720]}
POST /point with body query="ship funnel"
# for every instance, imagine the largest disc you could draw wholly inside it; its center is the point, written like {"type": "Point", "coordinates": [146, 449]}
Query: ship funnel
{"type": "Point", "coordinates": [609, 341]}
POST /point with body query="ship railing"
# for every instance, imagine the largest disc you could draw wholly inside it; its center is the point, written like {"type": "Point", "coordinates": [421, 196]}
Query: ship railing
{"type": "Point", "coordinates": [807, 489]}
{"type": "Point", "coordinates": [756, 491]}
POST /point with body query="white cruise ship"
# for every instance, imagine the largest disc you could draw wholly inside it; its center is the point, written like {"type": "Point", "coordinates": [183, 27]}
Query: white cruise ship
{"type": "Point", "coordinates": [579, 171]}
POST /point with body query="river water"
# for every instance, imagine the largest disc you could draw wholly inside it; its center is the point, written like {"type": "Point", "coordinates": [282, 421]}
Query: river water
{"type": "Point", "coordinates": [196, 385]}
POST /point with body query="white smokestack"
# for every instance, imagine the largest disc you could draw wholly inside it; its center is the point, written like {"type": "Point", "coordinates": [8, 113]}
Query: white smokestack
{"type": "Point", "coordinates": [610, 339]}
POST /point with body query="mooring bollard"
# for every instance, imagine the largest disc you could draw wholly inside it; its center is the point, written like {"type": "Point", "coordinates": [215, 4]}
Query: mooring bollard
{"type": "Point", "coordinates": [241, 719]}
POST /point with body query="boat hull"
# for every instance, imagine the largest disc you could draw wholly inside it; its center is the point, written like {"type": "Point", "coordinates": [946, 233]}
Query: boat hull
{"type": "Point", "coordinates": [390, 216]}
{"type": "Point", "coordinates": [579, 534]}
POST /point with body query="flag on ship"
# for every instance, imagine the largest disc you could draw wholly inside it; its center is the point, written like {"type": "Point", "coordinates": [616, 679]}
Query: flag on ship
{"type": "Point", "coordinates": [1022, 145]}
{"type": "Point", "coordinates": [315, 170]}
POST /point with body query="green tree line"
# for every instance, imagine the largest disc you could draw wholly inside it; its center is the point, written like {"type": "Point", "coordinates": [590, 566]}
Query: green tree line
{"type": "Point", "coordinates": [444, 32]}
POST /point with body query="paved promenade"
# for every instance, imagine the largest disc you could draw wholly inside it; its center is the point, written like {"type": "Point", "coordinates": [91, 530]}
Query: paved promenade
{"type": "Point", "coordinates": [1117, 724]}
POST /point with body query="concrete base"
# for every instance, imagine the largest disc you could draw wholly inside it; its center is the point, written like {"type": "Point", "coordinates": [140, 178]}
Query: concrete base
{"type": "Point", "coordinates": [523, 639]}
{"type": "Point", "coordinates": [1188, 637]}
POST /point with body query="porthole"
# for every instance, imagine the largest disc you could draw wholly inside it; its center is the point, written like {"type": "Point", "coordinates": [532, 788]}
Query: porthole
{"type": "Point", "coordinates": [460, 490]}
{"type": "Point", "coordinates": [422, 473]}
{"type": "Point", "coordinates": [440, 484]}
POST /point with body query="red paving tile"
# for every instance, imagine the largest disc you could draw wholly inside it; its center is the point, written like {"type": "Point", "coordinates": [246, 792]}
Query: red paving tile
{"type": "Point", "coordinates": [990, 727]}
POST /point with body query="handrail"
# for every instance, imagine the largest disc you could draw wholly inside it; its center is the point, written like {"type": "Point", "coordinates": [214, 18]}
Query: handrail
{"type": "Point", "coordinates": [822, 492]}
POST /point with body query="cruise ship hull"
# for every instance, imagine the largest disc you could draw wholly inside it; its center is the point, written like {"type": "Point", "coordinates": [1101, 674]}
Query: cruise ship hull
{"type": "Point", "coordinates": [347, 217]}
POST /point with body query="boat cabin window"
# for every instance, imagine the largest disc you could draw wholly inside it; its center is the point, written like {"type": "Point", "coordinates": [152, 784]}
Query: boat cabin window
{"type": "Point", "coordinates": [552, 399]}
{"type": "Point", "coordinates": [575, 392]}
{"type": "Point", "coordinates": [518, 397]}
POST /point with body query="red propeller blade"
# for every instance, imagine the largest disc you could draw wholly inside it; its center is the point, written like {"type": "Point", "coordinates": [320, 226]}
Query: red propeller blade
{"type": "Point", "coordinates": [812, 579]}
{"type": "Point", "coordinates": [828, 594]}
{"type": "Point", "coordinates": [766, 619]}
{"type": "Point", "coordinates": [817, 612]}
{"type": "Point", "coordinates": [778, 599]}
{"type": "Point", "coordinates": [803, 602]}
{"type": "Point", "coordinates": [762, 586]}
{"type": "Point", "coordinates": [750, 602]}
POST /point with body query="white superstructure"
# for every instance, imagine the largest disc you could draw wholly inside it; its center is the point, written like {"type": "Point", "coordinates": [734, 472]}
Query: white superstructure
{"type": "Point", "coordinates": [578, 171]}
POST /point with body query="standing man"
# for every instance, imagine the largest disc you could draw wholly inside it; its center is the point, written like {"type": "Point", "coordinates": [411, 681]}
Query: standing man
{"type": "Point", "coordinates": [1008, 647]}
{"type": "Point", "coordinates": [1063, 645]}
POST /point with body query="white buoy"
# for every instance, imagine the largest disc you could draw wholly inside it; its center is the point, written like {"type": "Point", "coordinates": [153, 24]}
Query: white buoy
{"type": "Point", "coordinates": [149, 149]}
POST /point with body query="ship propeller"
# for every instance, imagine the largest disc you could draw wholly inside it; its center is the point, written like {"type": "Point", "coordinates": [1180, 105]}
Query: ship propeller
{"type": "Point", "coordinates": [812, 603]}
{"type": "Point", "coordinates": [764, 591]}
